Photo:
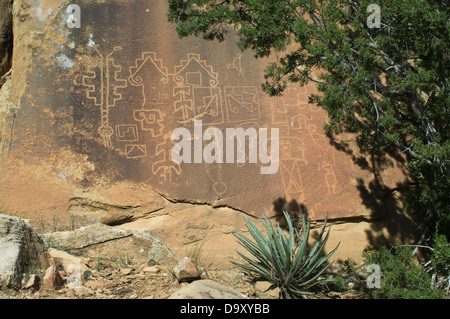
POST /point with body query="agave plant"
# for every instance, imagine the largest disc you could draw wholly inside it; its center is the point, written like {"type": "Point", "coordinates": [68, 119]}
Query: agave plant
{"type": "Point", "coordinates": [285, 261]}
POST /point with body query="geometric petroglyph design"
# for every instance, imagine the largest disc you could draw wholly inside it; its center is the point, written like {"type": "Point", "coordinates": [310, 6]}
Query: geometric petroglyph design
{"type": "Point", "coordinates": [113, 83]}
{"type": "Point", "coordinates": [185, 102]}
{"type": "Point", "coordinates": [296, 97]}
{"type": "Point", "coordinates": [208, 105]}
{"type": "Point", "coordinates": [195, 72]}
{"type": "Point", "coordinates": [133, 151]}
{"type": "Point", "coordinates": [237, 65]}
{"type": "Point", "coordinates": [106, 131]}
{"type": "Point", "coordinates": [278, 112]}
{"type": "Point", "coordinates": [151, 120]}
{"type": "Point", "coordinates": [299, 97]}
{"type": "Point", "coordinates": [90, 82]}
{"type": "Point", "coordinates": [163, 166]}
{"type": "Point", "coordinates": [127, 133]}
{"type": "Point", "coordinates": [330, 178]}
{"type": "Point", "coordinates": [196, 94]}
{"type": "Point", "coordinates": [291, 157]}
{"type": "Point", "coordinates": [242, 103]}
{"type": "Point", "coordinates": [215, 176]}
{"type": "Point", "coordinates": [292, 181]}
{"type": "Point", "coordinates": [102, 84]}
{"type": "Point", "coordinates": [301, 122]}
{"type": "Point", "coordinates": [147, 65]}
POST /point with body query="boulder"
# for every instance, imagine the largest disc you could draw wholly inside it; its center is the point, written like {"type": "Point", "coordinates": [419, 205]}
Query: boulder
{"type": "Point", "coordinates": [187, 269]}
{"type": "Point", "coordinates": [20, 249]}
{"type": "Point", "coordinates": [73, 266]}
{"type": "Point", "coordinates": [100, 241]}
{"type": "Point", "coordinates": [52, 279]}
{"type": "Point", "coordinates": [85, 236]}
{"type": "Point", "coordinates": [206, 289]}
{"type": "Point", "coordinates": [33, 282]}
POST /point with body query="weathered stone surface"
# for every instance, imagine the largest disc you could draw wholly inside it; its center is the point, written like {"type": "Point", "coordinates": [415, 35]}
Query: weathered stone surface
{"type": "Point", "coordinates": [114, 204]}
{"type": "Point", "coordinates": [99, 241]}
{"type": "Point", "coordinates": [206, 289]}
{"type": "Point", "coordinates": [263, 286]}
{"type": "Point", "coordinates": [72, 265]}
{"type": "Point", "coordinates": [6, 36]}
{"type": "Point", "coordinates": [33, 282]}
{"type": "Point", "coordinates": [187, 269]}
{"type": "Point", "coordinates": [126, 271]}
{"type": "Point", "coordinates": [85, 236]}
{"type": "Point", "coordinates": [151, 270]}
{"type": "Point", "coordinates": [20, 248]}
{"type": "Point", "coordinates": [186, 228]}
{"type": "Point", "coordinates": [97, 284]}
{"type": "Point", "coordinates": [52, 279]}
{"type": "Point", "coordinates": [97, 106]}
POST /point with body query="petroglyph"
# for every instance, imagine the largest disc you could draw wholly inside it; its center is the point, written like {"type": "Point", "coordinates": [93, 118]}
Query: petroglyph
{"type": "Point", "coordinates": [242, 103]}
{"type": "Point", "coordinates": [196, 96]}
{"type": "Point", "coordinates": [237, 65]}
{"type": "Point", "coordinates": [163, 166]}
{"type": "Point", "coordinates": [103, 84]}
{"type": "Point", "coordinates": [127, 133]}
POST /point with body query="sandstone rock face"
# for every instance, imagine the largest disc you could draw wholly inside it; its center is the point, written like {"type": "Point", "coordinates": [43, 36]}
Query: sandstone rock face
{"type": "Point", "coordinates": [20, 248]}
{"type": "Point", "coordinates": [92, 114]}
{"type": "Point", "coordinates": [187, 228]}
{"type": "Point", "coordinates": [98, 106]}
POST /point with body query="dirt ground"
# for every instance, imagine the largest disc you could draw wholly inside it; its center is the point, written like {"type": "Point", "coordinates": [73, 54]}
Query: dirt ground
{"type": "Point", "coordinates": [131, 282]}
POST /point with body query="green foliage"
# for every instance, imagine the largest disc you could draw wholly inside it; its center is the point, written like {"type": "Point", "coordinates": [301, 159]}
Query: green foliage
{"type": "Point", "coordinates": [32, 269]}
{"type": "Point", "coordinates": [287, 264]}
{"type": "Point", "coordinates": [390, 85]}
{"type": "Point", "coordinates": [440, 259]}
{"type": "Point", "coordinates": [196, 251]}
{"type": "Point", "coordinates": [42, 225]}
{"type": "Point", "coordinates": [100, 265]}
{"type": "Point", "coordinates": [403, 278]}
{"type": "Point", "coordinates": [339, 284]}
{"type": "Point", "coordinates": [55, 223]}
{"type": "Point", "coordinates": [124, 261]}
{"type": "Point", "coordinates": [350, 266]}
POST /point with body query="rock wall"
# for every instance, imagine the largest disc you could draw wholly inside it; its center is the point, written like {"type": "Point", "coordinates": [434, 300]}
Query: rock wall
{"type": "Point", "coordinates": [6, 36]}
{"type": "Point", "coordinates": [88, 113]}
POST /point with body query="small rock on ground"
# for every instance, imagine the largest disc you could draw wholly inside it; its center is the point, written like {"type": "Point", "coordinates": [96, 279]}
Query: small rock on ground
{"type": "Point", "coordinates": [206, 289]}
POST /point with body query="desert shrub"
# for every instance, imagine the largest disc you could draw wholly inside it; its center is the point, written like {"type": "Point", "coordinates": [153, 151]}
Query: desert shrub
{"type": "Point", "coordinates": [440, 262]}
{"type": "Point", "coordinates": [402, 276]}
{"type": "Point", "coordinates": [285, 261]}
